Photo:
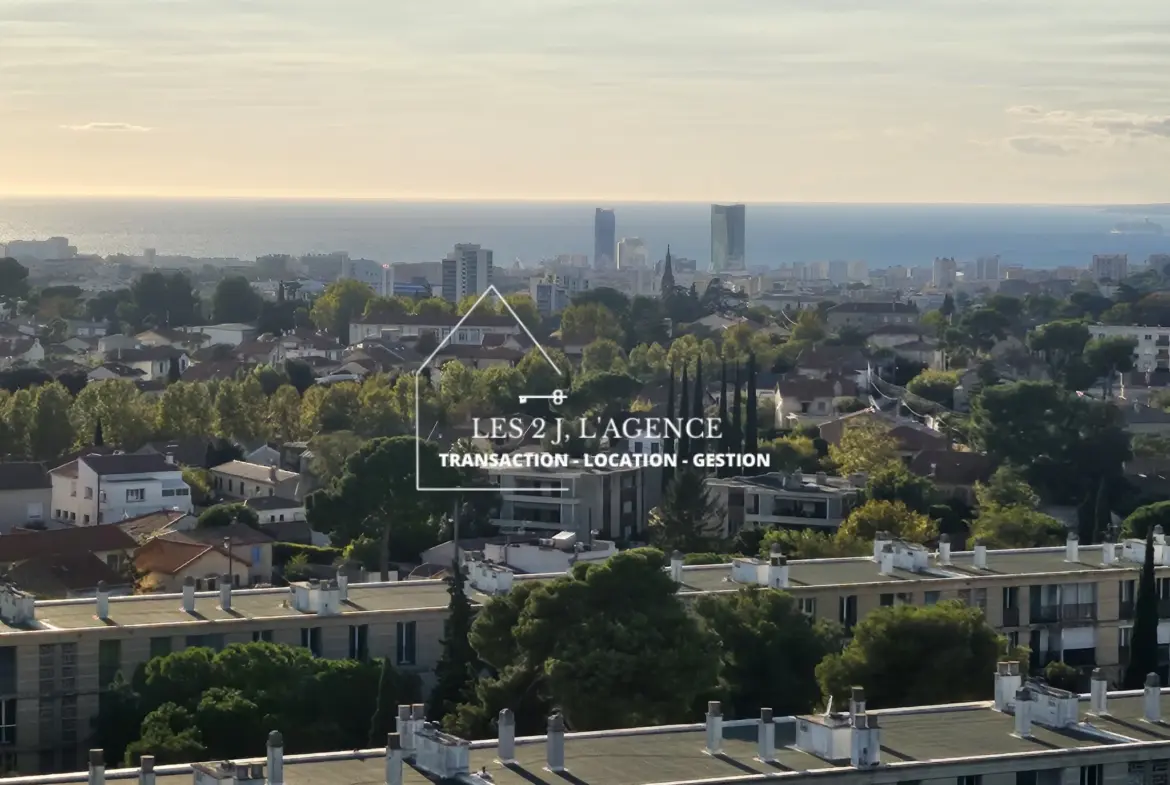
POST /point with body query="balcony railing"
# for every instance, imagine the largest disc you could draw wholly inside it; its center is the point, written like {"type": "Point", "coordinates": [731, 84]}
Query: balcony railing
{"type": "Point", "coordinates": [1011, 617]}
{"type": "Point", "coordinates": [1164, 609]}
{"type": "Point", "coordinates": [1126, 610]}
{"type": "Point", "coordinates": [1085, 611]}
{"type": "Point", "coordinates": [1045, 614]}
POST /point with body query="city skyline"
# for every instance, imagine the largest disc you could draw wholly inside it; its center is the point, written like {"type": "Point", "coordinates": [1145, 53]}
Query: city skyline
{"type": "Point", "coordinates": [1049, 103]}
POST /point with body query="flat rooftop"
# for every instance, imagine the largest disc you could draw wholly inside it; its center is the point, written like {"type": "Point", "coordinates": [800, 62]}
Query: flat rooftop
{"type": "Point", "coordinates": [863, 569]}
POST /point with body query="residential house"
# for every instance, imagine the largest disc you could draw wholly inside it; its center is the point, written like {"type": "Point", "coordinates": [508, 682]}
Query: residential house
{"type": "Point", "coordinates": [926, 352]}
{"type": "Point", "coordinates": [190, 451]}
{"type": "Point", "coordinates": [218, 370]}
{"type": "Point", "coordinates": [478, 357]}
{"type": "Point", "coordinates": [867, 316]}
{"type": "Point", "coordinates": [246, 544]}
{"type": "Point", "coordinates": [169, 559]}
{"type": "Point", "coordinates": [243, 480]}
{"type": "Point", "coordinates": [264, 350]}
{"type": "Point", "coordinates": [377, 356]}
{"type": "Point", "coordinates": [95, 489]}
{"type": "Point", "coordinates": [82, 328]}
{"type": "Point", "coordinates": [1146, 420]}
{"type": "Point", "coordinates": [40, 561]}
{"type": "Point", "coordinates": [154, 361]}
{"type": "Point", "coordinates": [179, 339]}
{"type": "Point", "coordinates": [146, 527]}
{"type": "Point", "coordinates": [260, 452]}
{"type": "Point", "coordinates": [803, 401]}
{"type": "Point", "coordinates": [791, 500]}
{"type": "Point", "coordinates": [301, 343]}
{"type": "Point", "coordinates": [470, 333]}
{"type": "Point", "coordinates": [534, 554]}
{"type": "Point", "coordinates": [112, 343]}
{"type": "Point", "coordinates": [276, 509]}
{"type": "Point", "coordinates": [75, 347]}
{"type": "Point", "coordinates": [230, 333]}
{"type": "Point", "coordinates": [890, 336]}
{"type": "Point", "coordinates": [822, 362]}
{"type": "Point", "coordinates": [953, 472]}
{"type": "Point", "coordinates": [114, 370]}
{"type": "Point", "coordinates": [15, 351]}
{"type": "Point", "coordinates": [26, 495]}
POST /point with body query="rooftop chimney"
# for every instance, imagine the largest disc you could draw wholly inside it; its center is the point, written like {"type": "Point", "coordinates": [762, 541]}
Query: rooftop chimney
{"type": "Point", "coordinates": [822, 478]}
{"type": "Point", "coordinates": [865, 748]}
{"type": "Point", "coordinates": [146, 770]}
{"type": "Point", "coordinates": [1152, 699]}
{"type": "Point", "coordinates": [189, 594]}
{"type": "Point", "coordinates": [676, 565]}
{"type": "Point", "coordinates": [886, 560]}
{"type": "Point", "coordinates": [103, 601]}
{"type": "Point", "coordinates": [714, 728]}
{"type": "Point", "coordinates": [393, 759]}
{"type": "Point", "coordinates": [556, 743]}
{"type": "Point", "coordinates": [418, 718]}
{"type": "Point", "coordinates": [275, 758]}
{"type": "Point", "coordinates": [1159, 535]}
{"type": "Point", "coordinates": [1072, 548]}
{"type": "Point", "coordinates": [1007, 682]}
{"type": "Point", "coordinates": [225, 592]}
{"type": "Point", "coordinates": [777, 568]}
{"type": "Point", "coordinates": [507, 737]}
{"type": "Point", "coordinates": [880, 540]}
{"type": "Point", "coordinates": [1108, 551]}
{"type": "Point", "coordinates": [980, 560]}
{"type": "Point", "coordinates": [272, 474]}
{"type": "Point", "coordinates": [857, 701]}
{"type": "Point", "coordinates": [97, 768]}
{"type": "Point", "coordinates": [342, 584]}
{"type": "Point", "coordinates": [944, 549]}
{"type": "Point", "coordinates": [405, 729]}
{"type": "Point", "coordinates": [767, 740]}
{"type": "Point", "coordinates": [1024, 713]}
{"type": "Point", "coordinates": [1099, 693]}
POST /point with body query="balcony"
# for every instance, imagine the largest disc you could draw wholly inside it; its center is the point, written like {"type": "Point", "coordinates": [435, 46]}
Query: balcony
{"type": "Point", "coordinates": [1011, 617]}
{"type": "Point", "coordinates": [1045, 614]}
{"type": "Point", "coordinates": [1164, 609]}
{"type": "Point", "coordinates": [1085, 611]}
{"type": "Point", "coordinates": [1125, 611]}
{"type": "Point", "coordinates": [514, 524]}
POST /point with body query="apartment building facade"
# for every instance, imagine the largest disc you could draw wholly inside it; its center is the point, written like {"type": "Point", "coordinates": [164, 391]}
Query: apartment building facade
{"type": "Point", "coordinates": [95, 489]}
{"type": "Point", "coordinates": [1152, 352]}
{"type": "Point", "coordinates": [792, 500]}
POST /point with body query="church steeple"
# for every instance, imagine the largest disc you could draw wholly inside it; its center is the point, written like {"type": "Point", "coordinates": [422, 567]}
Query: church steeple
{"type": "Point", "coordinates": [667, 276]}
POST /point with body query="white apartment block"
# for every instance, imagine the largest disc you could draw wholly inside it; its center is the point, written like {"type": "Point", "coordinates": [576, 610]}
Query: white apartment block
{"type": "Point", "coordinates": [553, 292]}
{"type": "Point", "coordinates": [632, 252]}
{"type": "Point", "coordinates": [1153, 344]}
{"type": "Point", "coordinates": [466, 270]}
{"type": "Point", "coordinates": [1110, 267]}
{"type": "Point", "coordinates": [97, 489]}
{"type": "Point", "coordinates": [378, 276]}
{"type": "Point", "coordinates": [945, 273]}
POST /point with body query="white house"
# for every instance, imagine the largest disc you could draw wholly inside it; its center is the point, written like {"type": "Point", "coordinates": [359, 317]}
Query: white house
{"type": "Point", "coordinates": [471, 332]}
{"type": "Point", "coordinates": [153, 361]}
{"type": "Point", "coordinates": [110, 488]}
{"type": "Point", "coordinates": [16, 350]}
{"type": "Point", "coordinates": [1152, 352]}
{"type": "Point", "coordinates": [111, 343]}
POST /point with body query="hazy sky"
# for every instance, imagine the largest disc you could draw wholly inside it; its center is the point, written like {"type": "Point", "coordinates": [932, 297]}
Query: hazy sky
{"type": "Point", "coordinates": [753, 100]}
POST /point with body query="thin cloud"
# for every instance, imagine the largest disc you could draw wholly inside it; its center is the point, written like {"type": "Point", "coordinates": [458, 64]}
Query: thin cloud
{"type": "Point", "coordinates": [128, 127]}
{"type": "Point", "coordinates": [1038, 145]}
{"type": "Point", "coordinates": [1101, 126]}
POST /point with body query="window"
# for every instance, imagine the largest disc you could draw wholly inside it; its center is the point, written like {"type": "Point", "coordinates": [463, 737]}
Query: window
{"type": "Point", "coordinates": [262, 635]}
{"type": "Point", "coordinates": [88, 493]}
{"type": "Point", "coordinates": [160, 647]}
{"type": "Point", "coordinates": [135, 494]}
{"type": "Point", "coordinates": [8, 721]}
{"type": "Point", "coordinates": [847, 611]}
{"type": "Point", "coordinates": [256, 555]}
{"type": "Point", "coordinates": [182, 491]}
{"type": "Point", "coordinates": [406, 642]}
{"type": "Point", "coordinates": [109, 661]}
{"type": "Point", "coordinates": [887, 600]}
{"type": "Point", "coordinates": [931, 597]}
{"type": "Point", "coordinates": [971, 779]}
{"type": "Point", "coordinates": [85, 519]}
{"type": "Point", "coordinates": [8, 670]}
{"type": "Point", "coordinates": [359, 642]}
{"type": "Point", "coordinates": [311, 640]}
{"type": "Point", "coordinates": [112, 561]}
{"type": "Point", "coordinates": [1091, 775]}
{"type": "Point", "coordinates": [168, 492]}
{"type": "Point", "coordinates": [808, 605]}
{"type": "Point", "coordinates": [213, 641]}
{"type": "Point", "coordinates": [68, 719]}
{"type": "Point", "coordinates": [34, 511]}
{"type": "Point", "coordinates": [1026, 777]}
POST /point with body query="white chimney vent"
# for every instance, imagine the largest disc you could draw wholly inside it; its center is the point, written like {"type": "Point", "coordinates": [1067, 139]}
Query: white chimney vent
{"type": "Point", "coordinates": [714, 728]}
{"type": "Point", "coordinates": [886, 560]}
{"type": "Point", "coordinates": [328, 599]}
{"type": "Point", "coordinates": [1099, 693]}
{"type": "Point", "coordinates": [402, 724]}
{"type": "Point", "coordinates": [777, 568]}
{"type": "Point", "coordinates": [506, 737]}
{"type": "Point", "coordinates": [103, 601]}
{"type": "Point", "coordinates": [980, 559]}
{"type": "Point", "coordinates": [865, 747]}
{"type": "Point", "coordinates": [1159, 535]}
{"type": "Point", "coordinates": [275, 758]}
{"type": "Point", "coordinates": [1072, 548]}
{"type": "Point", "coordinates": [146, 770]}
{"type": "Point", "coordinates": [1007, 683]}
{"type": "Point", "coordinates": [225, 592]}
{"type": "Point", "coordinates": [1024, 712]}
{"type": "Point", "coordinates": [767, 740]}
{"type": "Point", "coordinates": [189, 594]}
{"type": "Point", "coordinates": [880, 541]}
{"type": "Point", "coordinates": [442, 755]}
{"type": "Point", "coordinates": [342, 584]}
{"type": "Point", "coordinates": [1152, 699]}
{"type": "Point", "coordinates": [555, 743]}
{"type": "Point", "coordinates": [1108, 552]}
{"type": "Point", "coordinates": [676, 566]}
{"type": "Point", "coordinates": [97, 768]}
{"type": "Point", "coordinates": [944, 549]}
{"type": "Point", "coordinates": [489, 578]}
{"type": "Point", "coordinates": [393, 759]}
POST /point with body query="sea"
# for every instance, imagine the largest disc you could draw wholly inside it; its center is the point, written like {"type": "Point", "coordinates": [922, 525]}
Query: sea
{"type": "Point", "coordinates": [400, 231]}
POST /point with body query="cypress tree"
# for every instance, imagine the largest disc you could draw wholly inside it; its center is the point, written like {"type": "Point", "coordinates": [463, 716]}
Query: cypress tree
{"type": "Point", "coordinates": [1143, 646]}
{"type": "Point", "coordinates": [1102, 518]}
{"type": "Point", "coordinates": [751, 436]}
{"type": "Point", "coordinates": [724, 423]}
{"type": "Point", "coordinates": [455, 672]}
{"type": "Point", "coordinates": [737, 414]}
{"type": "Point", "coordinates": [384, 707]}
{"type": "Point", "coordinates": [98, 439]}
{"type": "Point", "coordinates": [668, 441]}
{"type": "Point", "coordinates": [173, 371]}
{"type": "Point", "coordinates": [684, 408]}
{"type": "Point", "coordinates": [697, 407]}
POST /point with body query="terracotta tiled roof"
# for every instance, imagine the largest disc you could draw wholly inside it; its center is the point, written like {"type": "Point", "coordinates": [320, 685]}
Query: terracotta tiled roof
{"type": "Point", "coordinates": [23, 476]}
{"type": "Point", "coordinates": [58, 574]}
{"type": "Point", "coordinates": [144, 527]}
{"type": "Point", "coordinates": [952, 467]}
{"type": "Point", "coordinates": [171, 553]}
{"type": "Point", "coordinates": [254, 472]}
{"type": "Point", "coordinates": [22, 545]}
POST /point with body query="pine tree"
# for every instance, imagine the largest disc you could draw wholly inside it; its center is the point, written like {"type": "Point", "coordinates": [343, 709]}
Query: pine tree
{"type": "Point", "coordinates": [455, 672]}
{"type": "Point", "coordinates": [681, 521]}
{"type": "Point", "coordinates": [98, 439]}
{"type": "Point", "coordinates": [668, 442]}
{"type": "Point", "coordinates": [684, 409]}
{"type": "Point", "coordinates": [697, 406]}
{"type": "Point", "coordinates": [737, 415]}
{"type": "Point", "coordinates": [751, 436]}
{"type": "Point", "coordinates": [1143, 646]}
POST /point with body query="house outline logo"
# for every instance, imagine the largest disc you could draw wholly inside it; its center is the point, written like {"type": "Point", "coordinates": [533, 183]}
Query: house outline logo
{"type": "Point", "coordinates": [491, 290]}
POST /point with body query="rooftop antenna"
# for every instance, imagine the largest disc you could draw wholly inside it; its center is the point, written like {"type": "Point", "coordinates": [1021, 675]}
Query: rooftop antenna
{"type": "Point", "coordinates": [829, 707]}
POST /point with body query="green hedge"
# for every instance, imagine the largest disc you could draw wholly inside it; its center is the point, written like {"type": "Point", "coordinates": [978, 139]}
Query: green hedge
{"type": "Point", "coordinates": [282, 552]}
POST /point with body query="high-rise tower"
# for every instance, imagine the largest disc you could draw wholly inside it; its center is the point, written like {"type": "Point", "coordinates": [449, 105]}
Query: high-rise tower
{"type": "Point", "coordinates": [604, 239]}
{"type": "Point", "coordinates": [728, 234]}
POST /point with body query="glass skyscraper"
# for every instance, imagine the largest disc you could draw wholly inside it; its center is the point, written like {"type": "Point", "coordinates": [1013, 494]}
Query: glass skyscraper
{"type": "Point", "coordinates": [604, 239]}
{"type": "Point", "coordinates": [728, 233]}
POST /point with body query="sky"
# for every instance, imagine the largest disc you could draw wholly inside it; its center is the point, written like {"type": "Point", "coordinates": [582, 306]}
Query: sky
{"type": "Point", "coordinates": [994, 101]}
